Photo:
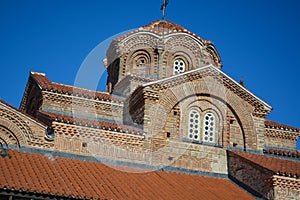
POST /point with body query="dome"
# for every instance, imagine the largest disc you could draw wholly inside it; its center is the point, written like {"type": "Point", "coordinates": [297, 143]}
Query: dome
{"type": "Point", "coordinates": [158, 50]}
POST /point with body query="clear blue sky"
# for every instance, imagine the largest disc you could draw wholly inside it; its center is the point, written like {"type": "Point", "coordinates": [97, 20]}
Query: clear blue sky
{"type": "Point", "coordinates": [257, 40]}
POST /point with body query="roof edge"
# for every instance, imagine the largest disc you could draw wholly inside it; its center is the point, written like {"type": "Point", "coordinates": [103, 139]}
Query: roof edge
{"type": "Point", "coordinates": [23, 114]}
{"type": "Point", "coordinates": [275, 125]}
{"type": "Point", "coordinates": [202, 69]}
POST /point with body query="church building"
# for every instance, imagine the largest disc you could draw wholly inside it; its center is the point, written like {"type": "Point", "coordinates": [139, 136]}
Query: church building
{"type": "Point", "coordinates": [171, 125]}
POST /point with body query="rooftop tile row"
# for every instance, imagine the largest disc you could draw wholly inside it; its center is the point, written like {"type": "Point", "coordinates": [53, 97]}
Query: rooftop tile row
{"type": "Point", "coordinates": [92, 123]}
{"type": "Point", "coordinates": [294, 154]}
{"type": "Point", "coordinates": [163, 27]}
{"type": "Point", "coordinates": [278, 166]}
{"type": "Point", "coordinates": [271, 124]}
{"type": "Point", "coordinates": [46, 84]}
{"type": "Point", "coordinates": [48, 175]}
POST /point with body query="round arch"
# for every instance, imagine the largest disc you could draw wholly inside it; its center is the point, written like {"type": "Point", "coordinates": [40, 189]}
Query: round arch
{"type": "Point", "coordinates": [239, 108]}
{"type": "Point", "coordinates": [13, 129]}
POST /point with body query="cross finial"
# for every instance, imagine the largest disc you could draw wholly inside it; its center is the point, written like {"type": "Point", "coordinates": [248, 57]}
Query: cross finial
{"type": "Point", "coordinates": [163, 8]}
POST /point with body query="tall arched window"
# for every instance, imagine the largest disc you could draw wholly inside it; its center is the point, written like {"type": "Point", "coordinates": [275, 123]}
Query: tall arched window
{"type": "Point", "coordinates": [209, 128]}
{"type": "Point", "coordinates": [194, 125]}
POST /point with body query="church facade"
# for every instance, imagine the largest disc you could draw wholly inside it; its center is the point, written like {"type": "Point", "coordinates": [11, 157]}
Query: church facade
{"type": "Point", "coordinates": [168, 107]}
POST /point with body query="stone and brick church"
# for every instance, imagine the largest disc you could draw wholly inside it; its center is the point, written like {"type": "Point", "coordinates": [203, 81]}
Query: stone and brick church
{"type": "Point", "coordinates": [171, 125]}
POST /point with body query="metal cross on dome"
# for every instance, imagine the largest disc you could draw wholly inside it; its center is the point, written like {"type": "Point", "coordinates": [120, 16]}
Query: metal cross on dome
{"type": "Point", "coordinates": [163, 8]}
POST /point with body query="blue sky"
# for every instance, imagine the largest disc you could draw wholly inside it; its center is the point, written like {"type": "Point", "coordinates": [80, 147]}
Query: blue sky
{"type": "Point", "coordinates": [257, 40]}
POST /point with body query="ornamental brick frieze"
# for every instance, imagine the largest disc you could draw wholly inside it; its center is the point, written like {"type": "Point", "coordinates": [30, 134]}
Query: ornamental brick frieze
{"type": "Point", "coordinates": [188, 45]}
{"type": "Point", "coordinates": [276, 133]}
{"type": "Point", "coordinates": [138, 41]}
{"type": "Point", "coordinates": [211, 74]}
{"type": "Point", "coordinates": [72, 105]}
{"type": "Point", "coordinates": [7, 136]}
{"type": "Point", "coordinates": [205, 86]}
{"type": "Point", "coordinates": [15, 125]}
{"type": "Point", "coordinates": [82, 139]}
{"type": "Point", "coordinates": [287, 183]}
{"type": "Point", "coordinates": [151, 94]}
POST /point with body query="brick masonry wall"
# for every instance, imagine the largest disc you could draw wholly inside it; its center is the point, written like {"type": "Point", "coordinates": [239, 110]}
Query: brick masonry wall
{"type": "Point", "coordinates": [280, 138]}
{"type": "Point", "coordinates": [85, 140]}
{"type": "Point", "coordinates": [259, 126]}
{"type": "Point", "coordinates": [82, 107]}
{"type": "Point", "coordinates": [127, 147]}
{"type": "Point", "coordinates": [252, 177]}
{"type": "Point", "coordinates": [160, 102]}
{"type": "Point", "coordinates": [16, 128]}
{"type": "Point", "coordinates": [286, 188]}
{"type": "Point", "coordinates": [233, 131]}
{"type": "Point", "coordinates": [197, 157]}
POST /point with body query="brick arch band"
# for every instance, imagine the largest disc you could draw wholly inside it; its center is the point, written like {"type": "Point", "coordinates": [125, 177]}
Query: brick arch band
{"type": "Point", "coordinates": [14, 129]}
{"type": "Point", "coordinates": [8, 137]}
{"type": "Point", "coordinates": [241, 109]}
{"type": "Point", "coordinates": [216, 108]}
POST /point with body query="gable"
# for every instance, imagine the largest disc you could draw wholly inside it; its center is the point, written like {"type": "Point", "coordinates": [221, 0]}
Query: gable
{"type": "Point", "coordinates": [239, 113]}
{"type": "Point", "coordinates": [218, 78]}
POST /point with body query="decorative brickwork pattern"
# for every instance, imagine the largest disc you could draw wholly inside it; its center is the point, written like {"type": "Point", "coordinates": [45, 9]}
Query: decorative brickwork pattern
{"type": "Point", "coordinates": [286, 188]}
{"type": "Point", "coordinates": [20, 129]}
{"type": "Point", "coordinates": [165, 94]}
{"type": "Point", "coordinates": [279, 135]}
{"type": "Point", "coordinates": [167, 104]}
{"type": "Point", "coordinates": [151, 51]}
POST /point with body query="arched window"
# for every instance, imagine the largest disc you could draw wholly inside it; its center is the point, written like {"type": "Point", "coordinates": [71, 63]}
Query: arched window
{"type": "Point", "coordinates": [178, 66]}
{"type": "Point", "coordinates": [140, 62]}
{"type": "Point", "coordinates": [194, 125]}
{"type": "Point", "coordinates": [209, 128]}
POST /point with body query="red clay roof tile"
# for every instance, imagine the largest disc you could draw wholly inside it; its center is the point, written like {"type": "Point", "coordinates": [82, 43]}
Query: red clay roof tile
{"type": "Point", "coordinates": [276, 165]}
{"type": "Point", "coordinates": [46, 84]}
{"type": "Point", "coordinates": [162, 28]}
{"type": "Point", "coordinates": [91, 123]}
{"type": "Point", "coordinates": [295, 154]}
{"type": "Point", "coordinates": [75, 178]}
{"type": "Point", "coordinates": [271, 124]}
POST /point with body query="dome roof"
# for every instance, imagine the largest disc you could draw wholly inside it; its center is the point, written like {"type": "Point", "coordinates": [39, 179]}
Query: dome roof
{"type": "Point", "coordinates": [163, 28]}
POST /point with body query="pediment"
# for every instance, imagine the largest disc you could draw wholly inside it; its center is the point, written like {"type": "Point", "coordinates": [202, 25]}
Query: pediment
{"type": "Point", "coordinates": [213, 79]}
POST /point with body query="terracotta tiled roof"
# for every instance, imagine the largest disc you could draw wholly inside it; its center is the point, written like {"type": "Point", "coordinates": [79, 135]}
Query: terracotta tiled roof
{"type": "Point", "coordinates": [295, 154]}
{"type": "Point", "coordinates": [279, 166]}
{"type": "Point", "coordinates": [92, 123]}
{"type": "Point", "coordinates": [271, 124]}
{"type": "Point", "coordinates": [46, 84]}
{"type": "Point", "coordinates": [166, 27]}
{"type": "Point", "coordinates": [62, 177]}
{"type": "Point", "coordinates": [22, 112]}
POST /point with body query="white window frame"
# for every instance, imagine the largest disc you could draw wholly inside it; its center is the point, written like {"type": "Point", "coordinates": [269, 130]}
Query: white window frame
{"type": "Point", "coordinates": [178, 66]}
{"type": "Point", "coordinates": [194, 125]}
{"type": "Point", "coordinates": [209, 128]}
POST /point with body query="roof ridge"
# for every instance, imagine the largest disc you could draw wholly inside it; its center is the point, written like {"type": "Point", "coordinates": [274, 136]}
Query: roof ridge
{"type": "Point", "coordinates": [39, 73]}
{"type": "Point", "coordinates": [214, 69]}
{"type": "Point", "coordinates": [284, 153]}
{"type": "Point", "coordinates": [272, 124]}
{"type": "Point", "coordinates": [158, 27]}
{"type": "Point", "coordinates": [47, 84]}
{"type": "Point", "coordinates": [122, 128]}
{"type": "Point", "coordinates": [281, 167]}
